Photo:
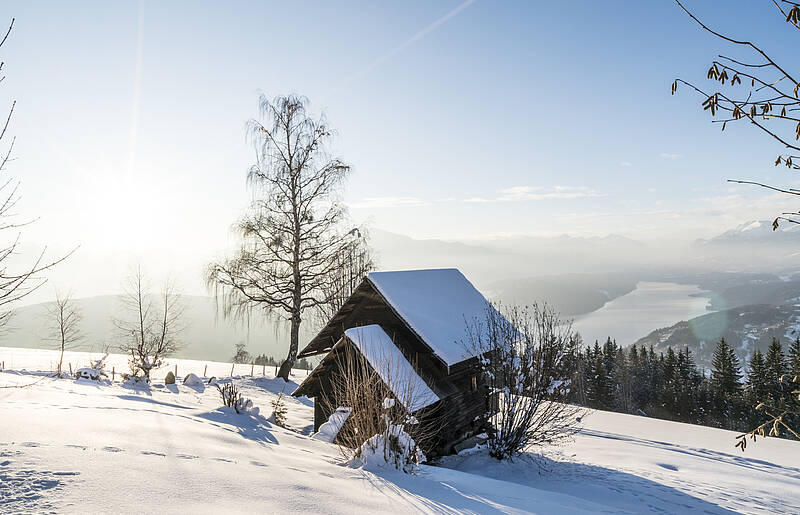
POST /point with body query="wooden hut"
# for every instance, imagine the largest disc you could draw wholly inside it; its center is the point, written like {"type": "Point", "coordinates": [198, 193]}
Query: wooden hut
{"type": "Point", "coordinates": [416, 321]}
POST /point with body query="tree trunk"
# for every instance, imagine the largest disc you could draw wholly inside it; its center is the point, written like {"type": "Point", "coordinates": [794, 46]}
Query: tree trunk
{"type": "Point", "coordinates": [286, 366]}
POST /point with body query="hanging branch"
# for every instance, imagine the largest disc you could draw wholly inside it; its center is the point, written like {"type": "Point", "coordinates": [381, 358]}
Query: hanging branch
{"type": "Point", "coordinates": [770, 102]}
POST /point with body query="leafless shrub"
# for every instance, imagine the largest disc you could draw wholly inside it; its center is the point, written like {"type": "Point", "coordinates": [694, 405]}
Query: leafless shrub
{"type": "Point", "coordinates": [521, 352]}
{"type": "Point", "coordinates": [232, 398]}
{"type": "Point", "coordinates": [380, 425]}
{"type": "Point", "coordinates": [229, 394]}
{"type": "Point", "coordinates": [151, 328]}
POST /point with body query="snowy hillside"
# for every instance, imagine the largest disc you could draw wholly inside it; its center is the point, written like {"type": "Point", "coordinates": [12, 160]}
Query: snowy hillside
{"type": "Point", "coordinates": [76, 446]}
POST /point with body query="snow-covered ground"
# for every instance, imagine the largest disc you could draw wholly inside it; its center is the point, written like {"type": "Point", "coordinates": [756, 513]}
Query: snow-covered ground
{"type": "Point", "coordinates": [76, 446]}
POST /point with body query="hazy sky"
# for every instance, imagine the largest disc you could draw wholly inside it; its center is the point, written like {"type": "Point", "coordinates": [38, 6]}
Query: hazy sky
{"type": "Point", "coordinates": [460, 119]}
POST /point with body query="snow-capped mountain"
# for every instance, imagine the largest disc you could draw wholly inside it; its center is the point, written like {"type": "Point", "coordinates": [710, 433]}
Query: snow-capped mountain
{"type": "Point", "coordinates": [757, 231]}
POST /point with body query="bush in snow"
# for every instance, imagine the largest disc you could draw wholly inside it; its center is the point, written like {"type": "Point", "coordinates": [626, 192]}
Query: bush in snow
{"type": "Point", "coordinates": [375, 424]}
{"type": "Point", "coordinates": [229, 394]}
{"type": "Point", "coordinates": [95, 371]}
{"type": "Point", "coordinates": [279, 410]}
{"type": "Point", "coordinates": [232, 398]}
{"type": "Point", "coordinates": [393, 448]}
{"type": "Point", "coordinates": [520, 352]}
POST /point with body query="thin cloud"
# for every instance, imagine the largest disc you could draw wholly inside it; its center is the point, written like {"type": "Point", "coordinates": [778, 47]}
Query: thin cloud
{"type": "Point", "coordinates": [525, 193]}
{"type": "Point", "coordinates": [383, 202]}
{"type": "Point", "coordinates": [672, 157]}
{"type": "Point", "coordinates": [413, 39]}
{"type": "Point", "coordinates": [626, 163]}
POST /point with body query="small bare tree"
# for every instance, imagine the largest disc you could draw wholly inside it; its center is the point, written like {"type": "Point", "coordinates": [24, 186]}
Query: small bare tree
{"type": "Point", "coordinates": [241, 355]}
{"type": "Point", "coordinates": [151, 326]}
{"type": "Point", "coordinates": [294, 235]}
{"type": "Point", "coordinates": [754, 88]}
{"type": "Point", "coordinates": [65, 325]}
{"type": "Point", "coordinates": [521, 352]}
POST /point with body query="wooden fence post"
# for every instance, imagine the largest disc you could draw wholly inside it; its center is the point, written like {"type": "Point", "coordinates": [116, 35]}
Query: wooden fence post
{"type": "Point", "coordinates": [113, 373]}
{"type": "Point", "coordinates": [176, 370]}
{"type": "Point", "coordinates": [252, 366]}
{"type": "Point", "coordinates": [231, 369]}
{"type": "Point", "coordinates": [70, 369]}
{"type": "Point", "coordinates": [205, 370]}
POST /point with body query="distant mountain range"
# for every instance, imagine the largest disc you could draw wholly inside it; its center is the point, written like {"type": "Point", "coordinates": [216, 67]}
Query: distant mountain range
{"type": "Point", "coordinates": [758, 231]}
{"type": "Point", "coordinates": [577, 275]}
{"type": "Point", "coordinates": [751, 246]}
{"type": "Point", "coordinates": [207, 335]}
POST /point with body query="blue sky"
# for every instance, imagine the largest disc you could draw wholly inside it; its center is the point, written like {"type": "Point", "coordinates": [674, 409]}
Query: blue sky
{"type": "Point", "coordinates": [461, 119]}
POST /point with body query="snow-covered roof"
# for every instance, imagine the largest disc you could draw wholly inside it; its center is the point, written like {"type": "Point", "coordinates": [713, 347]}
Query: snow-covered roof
{"type": "Point", "coordinates": [437, 305]}
{"type": "Point", "coordinates": [389, 363]}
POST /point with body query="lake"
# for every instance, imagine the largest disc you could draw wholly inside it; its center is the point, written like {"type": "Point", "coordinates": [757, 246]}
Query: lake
{"type": "Point", "coordinates": [650, 306]}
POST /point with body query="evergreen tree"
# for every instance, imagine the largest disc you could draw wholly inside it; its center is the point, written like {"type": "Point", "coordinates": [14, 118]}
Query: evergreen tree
{"type": "Point", "coordinates": [794, 357]}
{"type": "Point", "coordinates": [623, 379]}
{"type": "Point", "coordinates": [726, 372]}
{"type": "Point", "coordinates": [668, 392]}
{"type": "Point", "coordinates": [601, 390]}
{"type": "Point", "coordinates": [776, 366]}
{"type": "Point", "coordinates": [757, 377]}
{"type": "Point", "coordinates": [775, 361]}
{"type": "Point", "coordinates": [726, 387]}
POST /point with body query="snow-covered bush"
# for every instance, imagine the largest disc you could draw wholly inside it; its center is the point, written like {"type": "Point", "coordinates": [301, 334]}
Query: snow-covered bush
{"type": "Point", "coordinates": [232, 398]}
{"type": "Point", "coordinates": [377, 425]}
{"type": "Point", "coordinates": [95, 371]}
{"type": "Point", "coordinates": [521, 352]}
{"type": "Point", "coordinates": [99, 364]}
{"type": "Point", "coordinates": [87, 373]}
{"type": "Point", "coordinates": [229, 394]}
{"type": "Point", "coordinates": [393, 448]}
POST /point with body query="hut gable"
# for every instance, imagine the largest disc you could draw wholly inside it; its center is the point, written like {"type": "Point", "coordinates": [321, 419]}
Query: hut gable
{"type": "Point", "coordinates": [410, 325]}
{"type": "Point", "coordinates": [436, 304]}
{"type": "Point", "coordinates": [386, 359]}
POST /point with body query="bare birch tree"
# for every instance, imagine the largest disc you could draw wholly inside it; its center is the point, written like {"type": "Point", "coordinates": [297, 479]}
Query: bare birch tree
{"type": "Point", "coordinates": [14, 284]}
{"type": "Point", "coordinates": [151, 326]}
{"type": "Point", "coordinates": [65, 325]}
{"type": "Point", "coordinates": [352, 264]}
{"type": "Point", "coordinates": [294, 235]}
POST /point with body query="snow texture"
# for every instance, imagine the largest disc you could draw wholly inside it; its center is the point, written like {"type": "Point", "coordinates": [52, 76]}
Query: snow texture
{"type": "Point", "coordinates": [328, 431]}
{"type": "Point", "coordinates": [193, 381]}
{"type": "Point", "coordinates": [78, 447]}
{"type": "Point", "coordinates": [394, 448]}
{"type": "Point", "coordinates": [389, 363]}
{"type": "Point", "coordinates": [437, 304]}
